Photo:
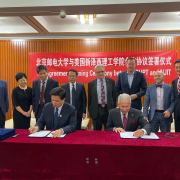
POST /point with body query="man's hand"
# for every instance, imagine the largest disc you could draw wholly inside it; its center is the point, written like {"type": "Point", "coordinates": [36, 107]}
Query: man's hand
{"type": "Point", "coordinates": [166, 114]}
{"type": "Point", "coordinates": [118, 130]}
{"type": "Point", "coordinates": [83, 115]}
{"type": "Point", "coordinates": [138, 133]}
{"type": "Point", "coordinates": [133, 96]}
{"type": "Point", "coordinates": [146, 118]}
{"type": "Point", "coordinates": [57, 133]}
{"type": "Point", "coordinates": [33, 129]}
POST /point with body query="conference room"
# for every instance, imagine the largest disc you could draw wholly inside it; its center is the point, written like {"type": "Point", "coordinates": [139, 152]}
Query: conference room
{"type": "Point", "coordinates": [87, 71]}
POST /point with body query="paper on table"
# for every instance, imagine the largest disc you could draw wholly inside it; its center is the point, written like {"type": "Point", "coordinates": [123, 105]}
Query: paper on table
{"type": "Point", "coordinates": [61, 136]}
{"type": "Point", "coordinates": [129, 135]}
{"type": "Point", "coordinates": [39, 134]}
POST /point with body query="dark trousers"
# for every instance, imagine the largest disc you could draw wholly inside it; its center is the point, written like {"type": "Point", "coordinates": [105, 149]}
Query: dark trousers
{"type": "Point", "coordinates": [160, 121]}
{"type": "Point", "coordinates": [79, 120]}
{"type": "Point", "coordinates": [39, 111]}
{"type": "Point", "coordinates": [177, 124]}
{"type": "Point", "coordinates": [2, 119]}
{"type": "Point", "coordinates": [102, 117]}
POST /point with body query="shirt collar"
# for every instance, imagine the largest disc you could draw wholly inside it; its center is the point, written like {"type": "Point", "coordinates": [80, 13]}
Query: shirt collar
{"type": "Point", "coordinates": [45, 80]}
{"type": "Point", "coordinates": [132, 73]}
{"type": "Point", "coordinates": [59, 107]}
{"type": "Point", "coordinates": [72, 84]}
{"type": "Point", "coordinates": [99, 80]}
{"type": "Point", "coordinates": [123, 114]}
{"type": "Point", "coordinates": [161, 83]}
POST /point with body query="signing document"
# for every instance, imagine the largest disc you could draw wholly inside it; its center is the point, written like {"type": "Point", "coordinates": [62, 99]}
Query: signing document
{"type": "Point", "coordinates": [44, 134]}
{"type": "Point", "coordinates": [129, 135]}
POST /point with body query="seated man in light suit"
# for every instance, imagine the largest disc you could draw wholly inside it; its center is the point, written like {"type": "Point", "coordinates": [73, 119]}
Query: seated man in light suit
{"type": "Point", "coordinates": [126, 118]}
{"type": "Point", "coordinates": [162, 104]}
{"type": "Point", "coordinates": [57, 115]}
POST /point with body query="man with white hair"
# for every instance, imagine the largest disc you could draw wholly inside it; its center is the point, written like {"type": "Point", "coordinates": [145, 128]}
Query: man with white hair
{"type": "Point", "coordinates": [160, 95]}
{"type": "Point", "coordinates": [101, 97]}
{"type": "Point", "coordinates": [126, 118]}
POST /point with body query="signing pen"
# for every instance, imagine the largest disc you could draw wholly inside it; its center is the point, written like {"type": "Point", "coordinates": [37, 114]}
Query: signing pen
{"type": "Point", "coordinates": [15, 135]}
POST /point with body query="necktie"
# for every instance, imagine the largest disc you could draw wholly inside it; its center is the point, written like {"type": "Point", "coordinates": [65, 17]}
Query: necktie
{"type": "Point", "coordinates": [56, 118]}
{"type": "Point", "coordinates": [178, 85]}
{"type": "Point", "coordinates": [102, 94]}
{"type": "Point", "coordinates": [158, 85]}
{"type": "Point", "coordinates": [125, 122]}
{"type": "Point", "coordinates": [73, 95]}
{"type": "Point", "coordinates": [42, 94]}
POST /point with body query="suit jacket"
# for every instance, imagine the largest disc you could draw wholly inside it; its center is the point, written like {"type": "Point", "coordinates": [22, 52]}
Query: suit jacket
{"type": "Point", "coordinates": [176, 99]}
{"type": "Point", "coordinates": [93, 99]}
{"type": "Point", "coordinates": [135, 119]}
{"type": "Point", "coordinates": [4, 101]}
{"type": "Point", "coordinates": [80, 99]}
{"type": "Point", "coordinates": [151, 96]}
{"type": "Point", "coordinates": [51, 84]}
{"type": "Point", "coordinates": [67, 119]}
{"type": "Point", "coordinates": [139, 81]}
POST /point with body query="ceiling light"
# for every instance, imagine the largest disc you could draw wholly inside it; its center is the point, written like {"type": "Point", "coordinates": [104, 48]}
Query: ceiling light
{"type": "Point", "coordinates": [88, 17]}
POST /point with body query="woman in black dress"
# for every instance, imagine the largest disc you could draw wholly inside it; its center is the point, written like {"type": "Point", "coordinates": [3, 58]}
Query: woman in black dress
{"type": "Point", "coordinates": [22, 102]}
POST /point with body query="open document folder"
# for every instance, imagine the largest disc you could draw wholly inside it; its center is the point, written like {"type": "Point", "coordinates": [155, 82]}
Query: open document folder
{"type": "Point", "coordinates": [129, 135]}
{"type": "Point", "coordinates": [44, 134]}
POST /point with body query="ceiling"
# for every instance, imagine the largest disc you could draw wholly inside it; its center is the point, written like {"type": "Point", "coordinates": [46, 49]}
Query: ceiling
{"type": "Point", "coordinates": [115, 19]}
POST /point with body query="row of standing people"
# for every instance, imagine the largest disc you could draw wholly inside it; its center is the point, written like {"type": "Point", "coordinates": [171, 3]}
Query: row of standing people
{"type": "Point", "coordinates": [102, 94]}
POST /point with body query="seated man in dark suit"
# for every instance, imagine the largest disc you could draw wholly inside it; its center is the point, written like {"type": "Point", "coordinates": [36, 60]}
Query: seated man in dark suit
{"type": "Point", "coordinates": [57, 115]}
{"type": "Point", "coordinates": [126, 118]}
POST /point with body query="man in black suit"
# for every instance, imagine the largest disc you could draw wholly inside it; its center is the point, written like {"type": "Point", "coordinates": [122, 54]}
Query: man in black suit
{"type": "Point", "coordinates": [130, 82]}
{"type": "Point", "coordinates": [126, 118]}
{"type": "Point", "coordinates": [41, 90]}
{"type": "Point", "coordinates": [101, 97]}
{"type": "Point", "coordinates": [57, 115]}
{"type": "Point", "coordinates": [176, 91]}
{"type": "Point", "coordinates": [76, 95]}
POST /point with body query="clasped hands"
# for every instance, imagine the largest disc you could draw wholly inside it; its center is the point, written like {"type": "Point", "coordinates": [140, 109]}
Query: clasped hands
{"type": "Point", "coordinates": [137, 133]}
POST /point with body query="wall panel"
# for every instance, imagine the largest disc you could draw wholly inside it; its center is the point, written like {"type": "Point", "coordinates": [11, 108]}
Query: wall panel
{"type": "Point", "coordinates": [14, 55]}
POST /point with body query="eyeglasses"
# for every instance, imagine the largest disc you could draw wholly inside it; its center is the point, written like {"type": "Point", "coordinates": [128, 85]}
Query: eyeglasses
{"type": "Point", "coordinates": [100, 72]}
{"type": "Point", "coordinates": [171, 135]}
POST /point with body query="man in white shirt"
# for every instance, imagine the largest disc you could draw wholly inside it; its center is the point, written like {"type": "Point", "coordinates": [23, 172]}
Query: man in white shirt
{"type": "Point", "coordinates": [126, 118]}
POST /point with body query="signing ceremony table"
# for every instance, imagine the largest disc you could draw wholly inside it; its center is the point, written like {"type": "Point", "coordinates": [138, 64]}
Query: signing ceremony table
{"type": "Point", "coordinates": [91, 155]}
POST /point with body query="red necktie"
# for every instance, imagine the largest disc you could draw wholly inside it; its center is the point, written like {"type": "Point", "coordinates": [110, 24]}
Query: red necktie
{"type": "Point", "coordinates": [125, 122]}
{"type": "Point", "coordinates": [42, 95]}
{"type": "Point", "coordinates": [178, 85]}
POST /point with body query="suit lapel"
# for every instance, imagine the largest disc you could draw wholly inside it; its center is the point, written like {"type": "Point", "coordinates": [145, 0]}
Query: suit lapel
{"type": "Point", "coordinates": [95, 89]}
{"type": "Point", "coordinates": [107, 86]}
{"type": "Point", "coordinates": [164, 96]}
{"type": "Point", "coordinates": [51, 111]}
{"type": "Point", "coordinates": [134, 79]}
{"type": "Point", "coordinates": [38, 86]}
{"type": "Point", "coordinates": [77, 90]}
{"type": "Point", "coordinates": [130, 119]}
{"type": "Point", "coordinates": [68, 93]}
{"type": "Point", "coordinates": [47, 84]}
{"type": "Point", "coordinates": [175, 86]}
{"type": "Point", "coordinates": [120, 122]}
{"type": "Point", "coordinates": [125, 79]}
{"type": "Point", "coordinates": [62, 113]}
